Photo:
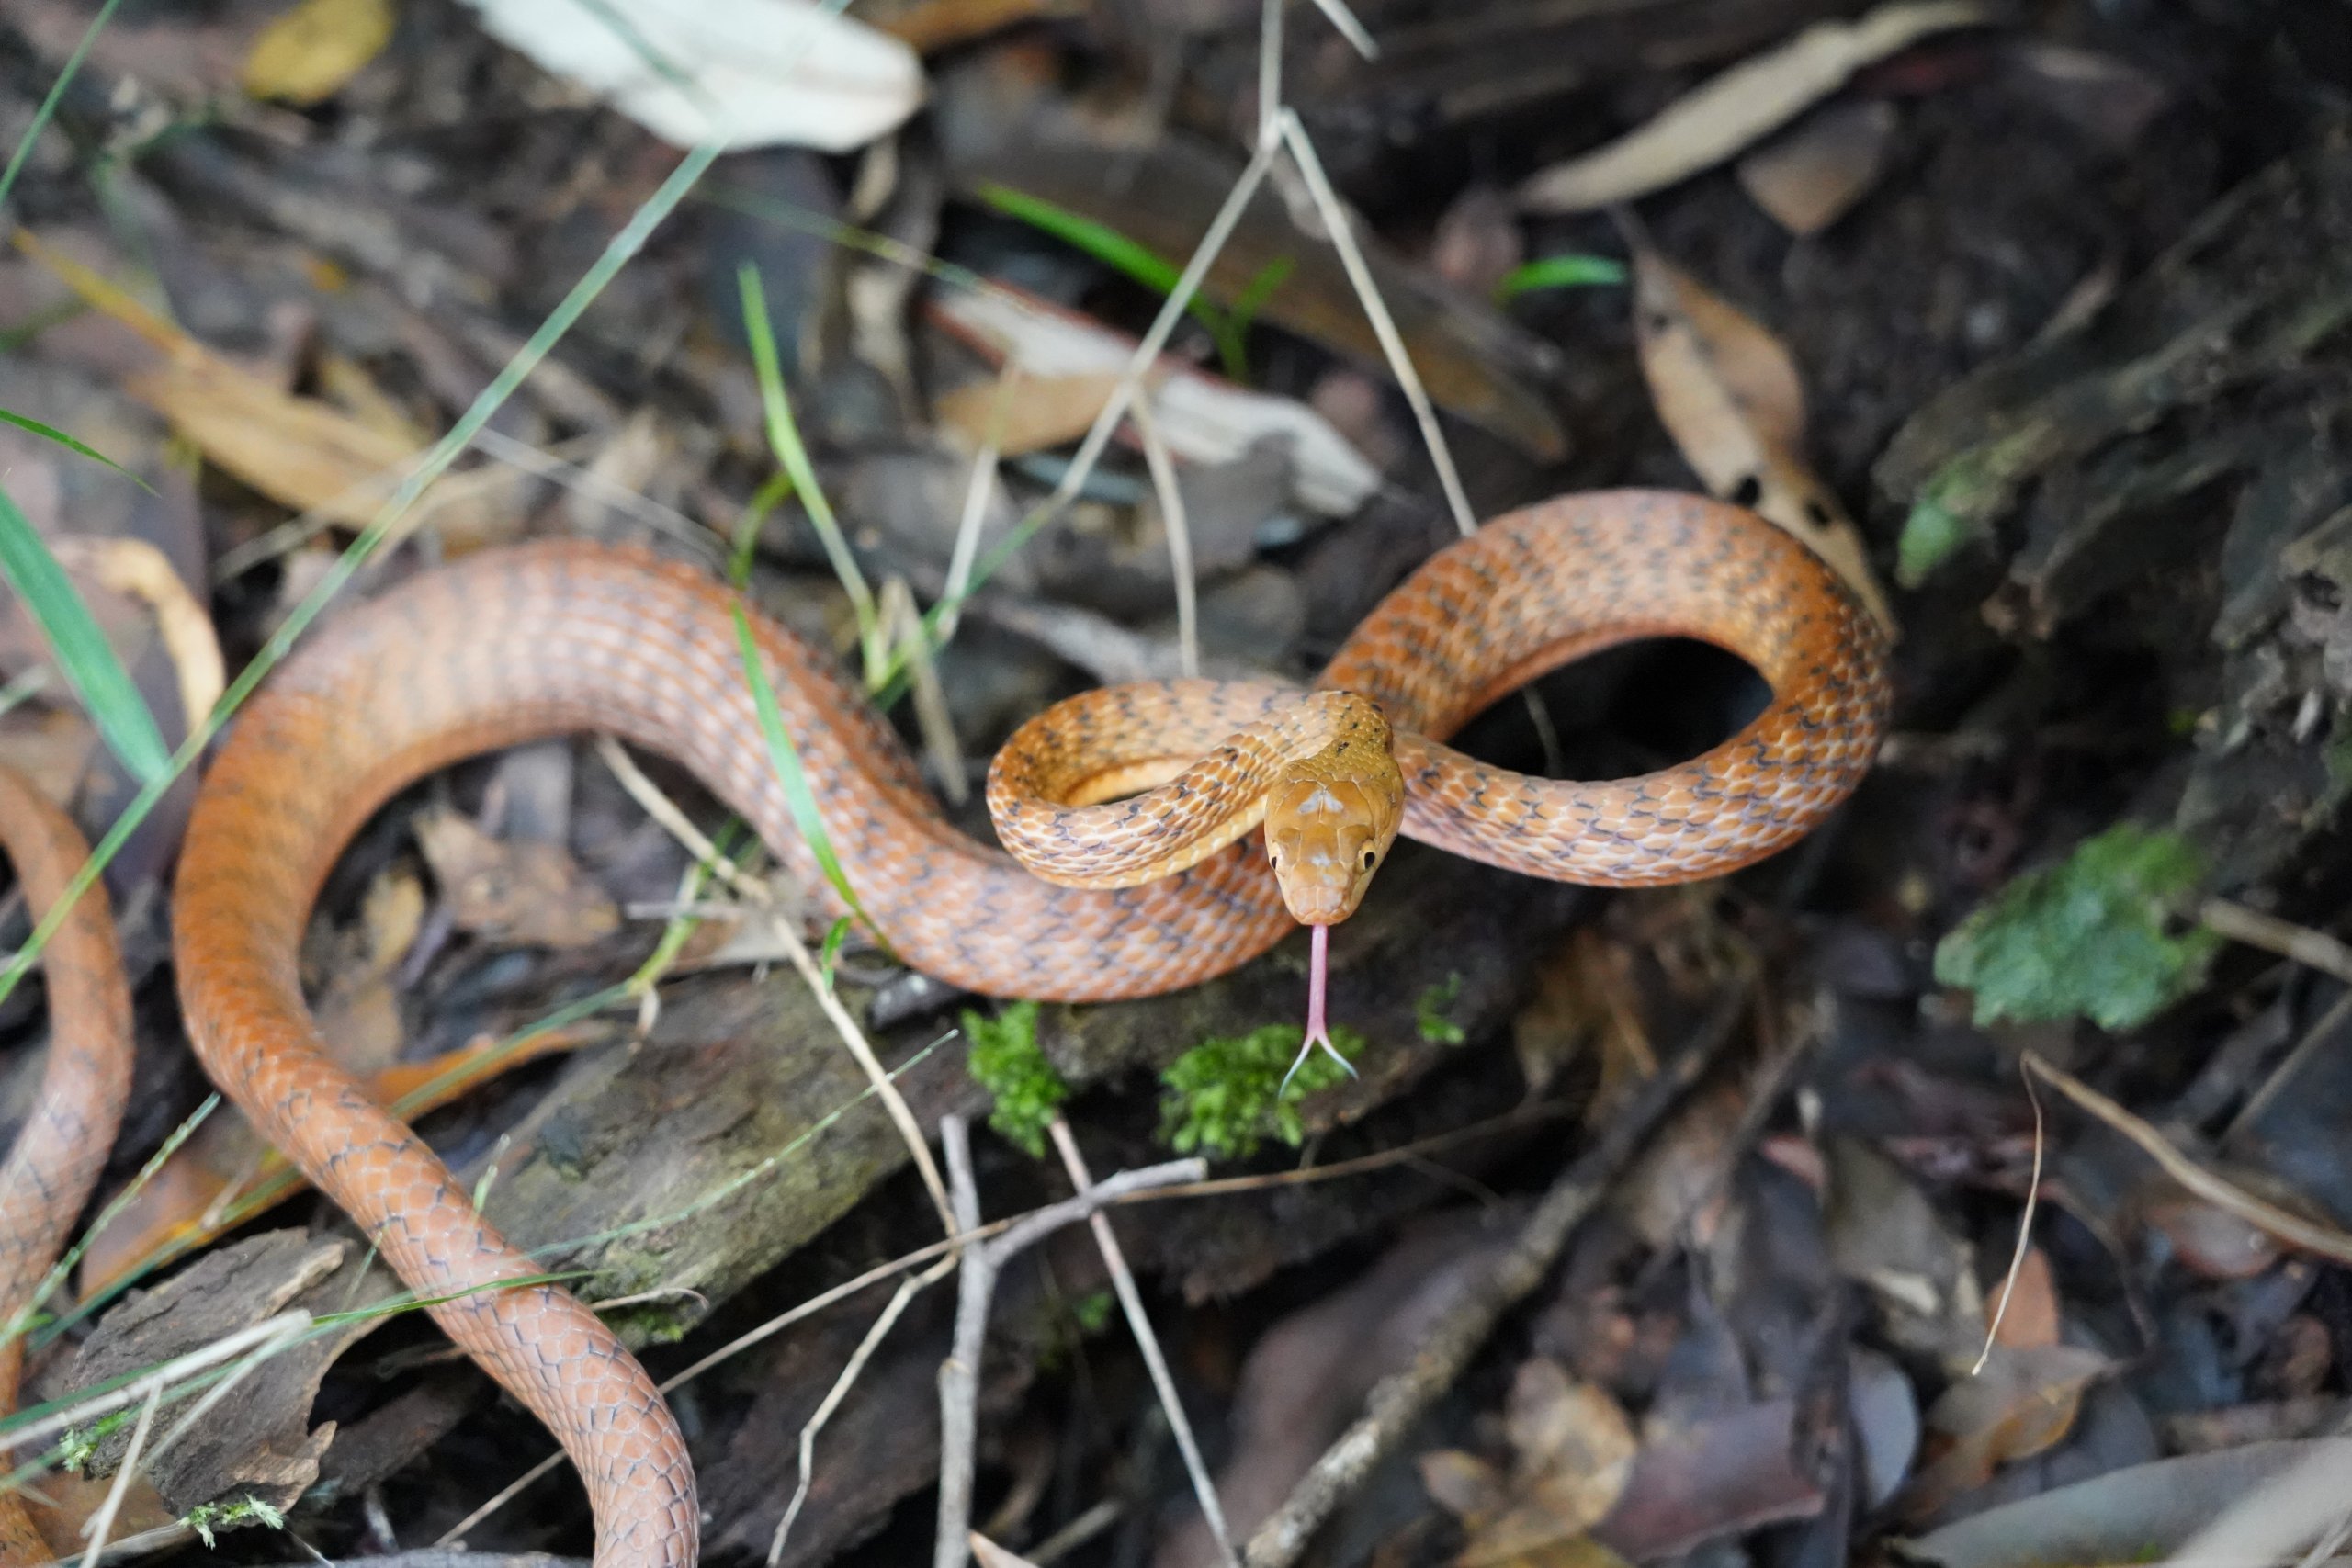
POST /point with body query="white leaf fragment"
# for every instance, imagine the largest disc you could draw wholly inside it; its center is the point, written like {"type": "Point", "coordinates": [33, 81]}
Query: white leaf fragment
{"type": "Point", "coordinates": [754, 73]}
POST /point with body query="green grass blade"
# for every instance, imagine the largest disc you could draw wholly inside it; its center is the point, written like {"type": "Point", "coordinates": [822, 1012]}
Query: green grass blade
{"type": "Point", "coordinates": [784, 436]}
{"type": "Point", "coordinates": [1570, 271]}
{"type": "Point", "coordinates": [782, 756]}
{"type": "Point", "coordinates": [51, 433]}
{"type": "Point", "coordinates": [90, 666]}
{"type": "Point", "coordinates": [56, 92]}
{"type": "Point", "coordinates": [1122, 254]}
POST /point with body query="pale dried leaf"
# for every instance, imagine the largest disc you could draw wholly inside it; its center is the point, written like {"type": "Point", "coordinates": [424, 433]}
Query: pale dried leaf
{"type": "Point", "coordinates": [1045, 411]}
{"type": "Point", "coordinates": [312, 50]}
{"type": "Point", "coordinates": [297, 451]}
{"type": "Point", "coordinates": [1203, 418]}
{"type": "Point", "coordinates": [1729, 393]}
{"type": "Point", "coordinates": [1811, 177]}
{"type": "Point", "coordinates": [755, 73]}
{"type": "Point", "coordinates": [138, 569]}
{"type": "Point", "coordinates": [1731, 111]}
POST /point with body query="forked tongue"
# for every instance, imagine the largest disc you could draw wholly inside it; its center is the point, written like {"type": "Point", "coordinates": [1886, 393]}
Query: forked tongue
{"type": "Point", "coordinates": [1318, 1032]}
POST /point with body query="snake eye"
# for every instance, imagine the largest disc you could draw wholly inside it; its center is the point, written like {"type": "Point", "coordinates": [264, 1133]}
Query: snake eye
{"type": "Point", "coordinates": [1370, 858]}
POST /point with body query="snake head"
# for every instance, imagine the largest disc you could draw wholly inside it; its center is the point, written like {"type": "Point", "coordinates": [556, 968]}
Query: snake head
{"type": "Point", "coordinates": [1328, 825]}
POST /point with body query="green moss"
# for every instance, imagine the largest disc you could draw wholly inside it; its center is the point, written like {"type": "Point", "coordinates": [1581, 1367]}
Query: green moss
{"type": "Point", "coordinates": [1932, 535]}
{"type": "Point", "coordinates": [207, 1517]}
{"type": "Point", "coordinates": [2086, 938]}
{"type": "Point", "coordinates": [1005, 1060]}
{"type": "Point", "coordinates": [1224, 1095]}
{"type": "Point", "coordinates": [1093, 1311]}
{"type": "Point", "coordinates": [1429, 1013]}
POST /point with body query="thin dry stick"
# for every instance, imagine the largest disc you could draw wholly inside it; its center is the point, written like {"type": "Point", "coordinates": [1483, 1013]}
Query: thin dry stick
{"type": "Point", "coordinates": [959, 1373]}
{"type": "Point", "coordinates": [1269, 73]}
{"type": "Point", "coordinates": [1336, 12]}
{"type": "Point", "coordinates": [1122, 1280]}
{"type": "Point", "coordinates": [1146, 354]}
{"type": "Point", "coordinates": [902, 624]}
{"type": "Point", "coordinates": [1220, 1187]}
{"type": "Point", "coordinates": [900, 1299]}
{"type": "Point", "coordinates": [1408, 380]}
{"type": "Point", "coordinates": [102, 1522]}
{"type": "Point", "coordinates": [2320, 1241]}
{"type": "Point", "coordinates": [2315, 949]}
{"type": "Point", "coordinates": [665, 811]}
{"type": "Point", "coordinates": [1383, 326]}
{"type": "Point", "coordinates": [976, 503]}
{"type": "Point", "coordinates": [1400, 1400]}
{"type": "Point", "coordinates": [593, 486]}
{"type": "Point", "coordinates": [1180, 537]}
{"type": "Point", "coordinates": [2025, 1234]}
{"type": "Point", "coordinates": [2318, 1037]}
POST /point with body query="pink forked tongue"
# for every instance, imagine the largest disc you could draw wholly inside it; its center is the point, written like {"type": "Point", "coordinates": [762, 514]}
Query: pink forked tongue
{"type": "Point", "coordinates": [1318, 1032]}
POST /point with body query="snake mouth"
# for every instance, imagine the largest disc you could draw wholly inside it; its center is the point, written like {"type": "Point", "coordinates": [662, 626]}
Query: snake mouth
{"type": "Point", "coordinates": [1318, 904]}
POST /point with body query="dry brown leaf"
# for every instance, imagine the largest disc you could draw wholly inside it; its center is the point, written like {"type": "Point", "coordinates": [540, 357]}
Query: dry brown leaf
{"type": "Point", "coordinates": [523, 891]}
{"type": "Point", "coordinates": [1462, 1484]}
{"type": "Point", "coordinates": [358, 1008]}
{"type": "Point", "coordinates": [1573, 1449]}
{"type": "Point", "coordinates": [2209, 1240]}
{"type": "Point", "coordinates": [1811, 177]}
{"type": "Point", "coordinates": [1731, 111]}
{"type": "Point", "coordinates": [2031, 1316]}
{"type": "Point", "coordinates": [298, 451]}
{"type": "Point", "coordinates": [312, 50]}
{"type": "Point", "coordinates": [1727, 391]}
{"type": "Point", "coordinates": [1045, 411]}
{"type": "Point", "coordinates": [2023, 1402]}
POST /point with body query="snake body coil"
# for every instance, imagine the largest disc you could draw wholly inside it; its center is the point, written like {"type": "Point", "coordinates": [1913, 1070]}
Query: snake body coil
{"type": "Point", "coordinates": [553, 638]}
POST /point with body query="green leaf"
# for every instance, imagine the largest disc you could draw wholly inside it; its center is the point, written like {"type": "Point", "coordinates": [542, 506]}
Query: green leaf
{"type": "Point", "coordinates": [2089, 937]}
{"type": "Point", "coordinates": [797, 797]}
{"type": "Point", "coordinates": [1570, 271]}
{"type": "Point", "coordinates": [1224, 1095]}
{"type": "Point", "coordinates": [96, 676]}
{"type": "Point", "coordinates": [48, 432]}
{"type": "Point", "coordinates": [1004, 1059]}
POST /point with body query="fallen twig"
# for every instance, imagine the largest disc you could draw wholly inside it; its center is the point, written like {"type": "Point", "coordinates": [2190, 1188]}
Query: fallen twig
{"type": "Point", "coordinates": [1122, 1280]}
{"type": "Point", "coordinates": [959, 1374]}
{"type": "Point", "coordinates": [1399, 1401]}
{"type": "Point", "coordinates": [2315, 949]}
{"type": "Point", "coordinates": [2292, 1230]}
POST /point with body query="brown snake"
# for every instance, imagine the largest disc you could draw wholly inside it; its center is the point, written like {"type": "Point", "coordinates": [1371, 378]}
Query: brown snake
{"type": "Point", "coordinates": [561, 637]}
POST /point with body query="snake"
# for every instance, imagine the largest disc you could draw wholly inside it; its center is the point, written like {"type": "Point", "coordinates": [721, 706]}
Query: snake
{"type": "Point", "coordinates": [1129, 817]}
